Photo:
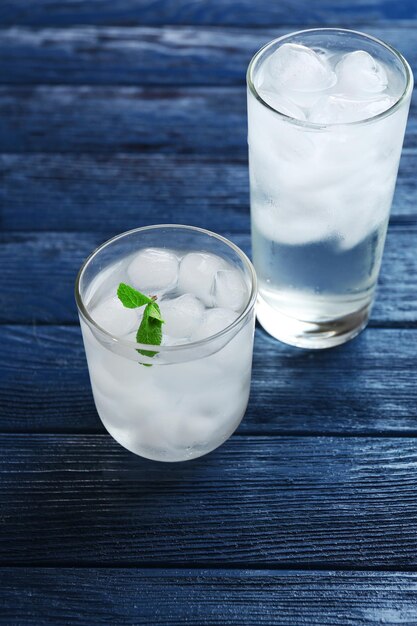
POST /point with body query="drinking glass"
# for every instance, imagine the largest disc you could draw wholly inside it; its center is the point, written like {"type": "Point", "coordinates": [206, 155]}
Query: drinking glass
{"type": "Point", "coordinates": [189, 398]}
{"type": "Point", "coordinates": [321, 195]}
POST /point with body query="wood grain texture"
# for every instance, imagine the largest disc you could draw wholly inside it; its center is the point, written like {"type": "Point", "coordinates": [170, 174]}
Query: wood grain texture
{"type": "Point", "coordinates": [108, 122]}
{"type": "Point", "coordinates": [305, 501]}
{"type": "Point", "coordinates": [365, 387]}
{"type": "Point", "coordinates": [228, 12]}
{"type": "Point", "coordinates": [42, 596]}
{"type": "Point", "coordinates": [198, 120]}
{"type": "Point", "coordinates": [148, 56]}
{"type": "Point", "coordinates": [35, 264]}
{"type": "Point", "coordinates": [44, 382]}
{"type": "Point", "coordinates": [81, 192]}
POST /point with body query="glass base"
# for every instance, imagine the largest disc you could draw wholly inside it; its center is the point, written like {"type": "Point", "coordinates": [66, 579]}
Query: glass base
{"type": "Point", "coordinates": [128, 438]}
{"type": "Point", "coordinates": [312, 335]}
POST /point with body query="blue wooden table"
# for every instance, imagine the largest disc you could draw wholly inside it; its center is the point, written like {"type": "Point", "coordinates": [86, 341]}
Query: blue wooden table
{"type": "Point", "coordinates": [121, 113]}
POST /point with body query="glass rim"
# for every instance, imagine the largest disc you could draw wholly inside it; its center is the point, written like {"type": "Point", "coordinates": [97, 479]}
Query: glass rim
{"type": "Point", "coordinates": [178, 347]}
{"type": "Point", "coordinates": [316, 125]}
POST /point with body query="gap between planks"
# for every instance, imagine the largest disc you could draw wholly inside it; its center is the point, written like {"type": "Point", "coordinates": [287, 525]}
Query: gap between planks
{"type": "Point", "coordinates": [265, 566]}
{"type": "Point", "coordinates": [327, 434]}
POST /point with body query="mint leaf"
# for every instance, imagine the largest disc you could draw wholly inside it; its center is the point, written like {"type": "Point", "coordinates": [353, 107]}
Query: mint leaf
{"type": "Point", "coordinates": [154, 312]}
{"type": "Point", "coordinates": [150, 329]}
{"type": "Point", "coordinates": [131, 298]}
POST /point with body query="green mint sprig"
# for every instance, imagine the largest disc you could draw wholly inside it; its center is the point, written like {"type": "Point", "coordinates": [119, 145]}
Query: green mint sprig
{"type": "Point", "coordinates": [150, 329]}
{"type": "Point", "coordinates": [130, 298]}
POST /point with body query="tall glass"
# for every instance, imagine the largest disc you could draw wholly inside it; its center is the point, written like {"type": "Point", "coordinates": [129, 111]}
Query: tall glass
{"type": "Point", "coordinates": [187, 399]}
{"type": "Point", "coordinates": [320, 201]}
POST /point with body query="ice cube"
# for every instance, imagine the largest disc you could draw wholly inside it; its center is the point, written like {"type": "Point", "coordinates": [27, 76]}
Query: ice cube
{"type": "Point", "coordinates": [181, 315]}
{"type": "Point", "coordinates": [154, 270]}
{"type": "Point", "coordinates": [295, 218]}
{"type": "Point", "coordinates": [111, 315]}
{"type": "Point", "coordinates": [181, 380]}
{"type": "Point", "coordinates": [196, 275]}
{"type": "Point", "coordinates": [167, 340]}
{"type": "Point", "coordinates": [299, 71]}
{"type": "Point", "coordinates": [335, 109]}
{"type": "Point", "coordinates": [211, 415]}
{"type": "Point", "coordinates": [213, 322]}
{"type": "Point", "coordinates": [99, 286]}
{"type": "Point", "coordinates": [143, 416]}
{"type": "Point", "coordinates": [282, 104]}
{"type": "Point", "coordinates": [268, 130]}
{"type": "Point", "coordinates": [359, 73]}
{"type": "Point", "coordinates": [198, 430]}
{"type": "Point", "coordinates": [230, 290]}
{"type": "Point", "coordinates": [102, 382]}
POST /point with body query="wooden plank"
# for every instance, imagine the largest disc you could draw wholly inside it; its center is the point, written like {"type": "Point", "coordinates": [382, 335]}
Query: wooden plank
{"type": "Point", "coordinates": [50, 389]}
{"type": "Point", "coordinates": [47, 263]}
{"type": "Point", "coordinates": [199, 120]}
{"type": "Point", "coordinates": [81, 192]}
{"type": "Point", "coordinates": [365, 387]}
{"type": "Point", "coordinates": [41, 596]}
{"type": "Point", "coordinates": [148, 56]}
{"type": "Point", "coordinates": [266, 502]}
{"type": "Point", "coordinates": [76, 119]}
{"type": "Point", "coordinates": [219, 12]}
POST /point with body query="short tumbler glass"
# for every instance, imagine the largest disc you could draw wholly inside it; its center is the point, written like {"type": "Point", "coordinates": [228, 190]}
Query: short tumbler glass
{"type": "Point", "coordinates": [320, 200]}
{"type": "Point", "coordinates": [194, 395]}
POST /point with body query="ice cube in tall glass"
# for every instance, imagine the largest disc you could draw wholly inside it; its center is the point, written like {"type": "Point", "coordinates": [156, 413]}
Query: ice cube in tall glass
{"type": "Point", "coordinates": [327, 111]}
